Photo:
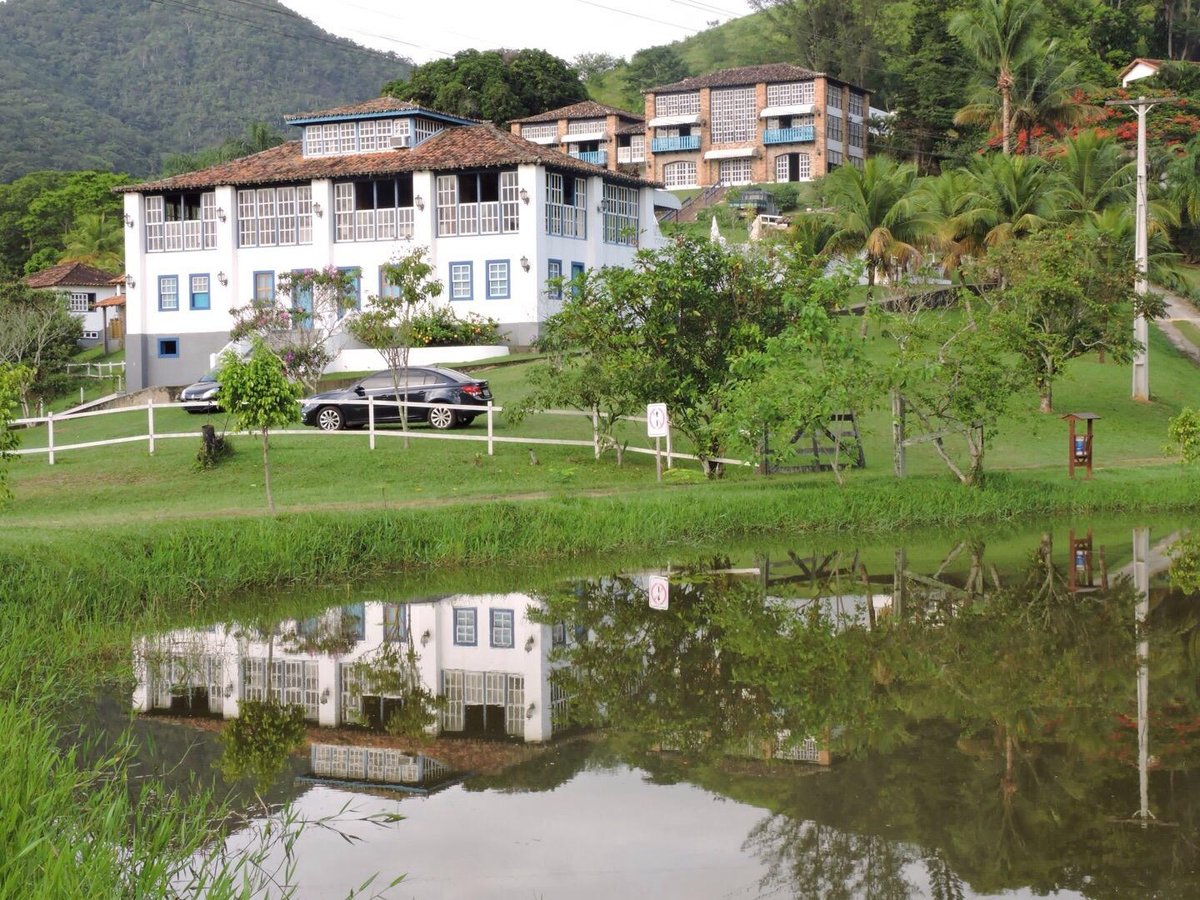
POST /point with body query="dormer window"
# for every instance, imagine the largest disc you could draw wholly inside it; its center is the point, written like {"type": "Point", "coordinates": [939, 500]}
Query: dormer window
{"type": "Point", "coordinates": [364, 136]}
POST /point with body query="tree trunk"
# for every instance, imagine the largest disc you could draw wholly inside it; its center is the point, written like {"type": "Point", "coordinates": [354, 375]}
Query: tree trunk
{"type": "Point", "coordinates": [267, 471]}
{"type": "Point", "coordinates": [1005, 83]}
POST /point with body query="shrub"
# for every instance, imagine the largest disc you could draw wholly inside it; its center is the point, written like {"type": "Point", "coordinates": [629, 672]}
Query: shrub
{"type": "Point", "coordinates": [438, 326]}
{"type": "Point", "coordinates": [258, 741]}
{"type": "Point", "coordinates": [1183, 434]}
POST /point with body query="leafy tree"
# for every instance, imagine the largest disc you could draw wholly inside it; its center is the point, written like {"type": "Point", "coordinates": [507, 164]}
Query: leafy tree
{"type": "Point", "coordinates": [1001, 36]}
{"type": "Point", "coordinates": [1183, 434]}
{"type": "Point", "coordinates": [387, 324]}
{"type": "Point", "coordinates": [800, 378]}
{"type": "Point", "coordinates": [13, 381]}
{"type": "Point", "coordinates": [257, 743]}
{"type": "Point", "coordinates": [651, 67]}
{"type": "Point", "coordinates": [257, 137]}
{"type": "Point", "coordinates": [96, 240]}
{"type": "Point", "coordinates": [492, 84]}
{"type": "Point", "coordinates": [589, 65]}
{"type": "Point", "coordinates": [1006, 197]}
{"type": "Point", "coordinates": [37, 331]}
{"type": "Point", "coordinates": [831, 36]}
{"type": "Point", "coordinates": [308, 309]}
{"type": "Point", "coordinates": [258, 394]}
{"type": "Point", "coordinates": [1060, 299]}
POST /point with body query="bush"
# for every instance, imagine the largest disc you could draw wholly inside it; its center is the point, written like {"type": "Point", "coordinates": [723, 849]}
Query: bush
{"type": "Point", "coordinates": [1183, 433]}
{"type": "Point", "coordinates": [258, 741]}
{"type": "Point", "coordinates": [438, 326]}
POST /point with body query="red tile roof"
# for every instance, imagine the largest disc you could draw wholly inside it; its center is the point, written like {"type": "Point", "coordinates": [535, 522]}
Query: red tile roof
{"type": "Point", "coordinates": [585, 109]}
{"type": "Point", "coordinates": [771, 73]}
{"type": "Point", "coordinates": [116, 300]}
{"type": "Point", "coordinates": [454, 148]}
{"type": "Point", "coordinates": [69, 274]}
{"type": "Point", "coordinates": [377, 105]}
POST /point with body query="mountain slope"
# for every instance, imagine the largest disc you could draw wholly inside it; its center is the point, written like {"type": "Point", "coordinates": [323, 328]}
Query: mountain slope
{"type": "Point", "coordinates": [119, 84]}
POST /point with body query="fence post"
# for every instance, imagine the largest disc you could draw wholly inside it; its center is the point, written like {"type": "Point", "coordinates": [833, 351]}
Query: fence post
{"type": "Point", "coordinates": [50, 436]}
{"type": "Point", "coordinates": [371, 418]}
{"type": "Point", "coordinates": [491, 428]}
{"type": "Point", "coordinates": [668, 443]}
{"type": "Point", "coordinates": [150, 422]}
{"type": "Point", "coordinates": [595, 432]}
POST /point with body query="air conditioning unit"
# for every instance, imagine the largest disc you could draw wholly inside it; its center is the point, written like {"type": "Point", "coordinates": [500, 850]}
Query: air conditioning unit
{"type": "Point", "coordinates": [401, 141]}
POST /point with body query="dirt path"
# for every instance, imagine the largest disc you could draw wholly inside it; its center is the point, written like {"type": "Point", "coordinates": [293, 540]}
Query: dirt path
{"type": "Point", "coordinates": [1179, 309]}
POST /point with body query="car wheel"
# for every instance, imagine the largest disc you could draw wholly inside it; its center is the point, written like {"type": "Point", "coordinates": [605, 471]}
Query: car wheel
{"type": "Point", "coordinates": [329, 418]}
{"type": "Point", "coordinates": [465, 419]}
{"type": "Point", "coordinates": [441, 418]}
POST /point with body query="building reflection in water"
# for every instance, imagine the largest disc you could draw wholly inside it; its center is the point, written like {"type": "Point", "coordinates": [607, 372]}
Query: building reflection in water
{"type": "Point", "coordinates": [483, 654]}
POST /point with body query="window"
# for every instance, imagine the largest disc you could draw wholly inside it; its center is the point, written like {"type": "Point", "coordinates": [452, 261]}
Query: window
{"type": "Point", "coordinates": [395, 622]}
{"type": "Point", "coordinates": [168, 348]}
{"type": "Point", "coordinates": [460, 281]}
{"type": "Point", "coordinates": [566, 205]}
{"type": "Point", "coordinates": [734, 117]}
{"type": "Point", "coordinates": [834, 128]}
{"type": "Point", "coordinates": [792, 93]}
{"type": "Point", "coordinates": [264, 288]}
{"type": "Point", "coordinates": [502, 627]}
{"type": "Point", "coordinates": [540, 132]}
{"type": "Point", "coordinates": [677, 104]}
{"type": "Point", "coordinates": [199, 292]}
{"type": "Point", "coordinates": [856, 104]}
{"type": "Point", "coordinates": [376, 209]}
{"type": "Point", "coordinates": [679, 174]}
{"type": "Point", "coordinates": [558, 634]}
{"type": "Point", "coordinates": [91, 335]}
{"type": "Point", "coordinates": [620, 215]}
{"type": "Point", "coordinates": [833, 95]}
{"type": "Point", "coordinates": [82, 302]}
{"type": "Point", "coordinates": [168, 293]}
{"type": "Point", "coordinates": [367, 136]}
{"type": "Point", "coordinates": [835, 158]}
{"type": "Point", "coordinates": [497, 279]}
{"type": "Point", "coordinates": [271, 217]}
{"type": "Point", "coordinates": [855, 131]}
{"type": "Point", "coordinates": [554, 279]}
{"type": "Point", "coordinates": [478, 203]}
{"type": "Point", "coordinates": [733, 171]}
{"type": "Point", "coordinates": [793, 167]}
{"type": "Point", "coordinates": [181, 221]}
{"type": "Point", "coordinates": [464, 627]}
{"type": "Point", "coordinates": [577, 270]}
{"type": "Point", "coordinates": [353, 299]}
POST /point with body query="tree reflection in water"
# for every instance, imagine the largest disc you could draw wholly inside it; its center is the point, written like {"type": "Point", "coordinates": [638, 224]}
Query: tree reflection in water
{"type": "Point", "coordinates": [982, 716]}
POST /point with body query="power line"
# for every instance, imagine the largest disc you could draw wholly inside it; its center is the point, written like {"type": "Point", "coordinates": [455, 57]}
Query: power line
{"type": "Point", "coordinates": [705, 7]}
{"type": "Point", "coordinates": [624, 12]}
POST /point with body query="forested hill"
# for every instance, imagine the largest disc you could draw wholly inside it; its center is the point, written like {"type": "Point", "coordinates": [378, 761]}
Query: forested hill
{"type": "Point", "coordinates": [119, 84]}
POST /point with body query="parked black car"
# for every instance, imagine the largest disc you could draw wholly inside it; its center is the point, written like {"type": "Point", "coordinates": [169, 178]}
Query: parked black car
{"type": "Point", "coordinates": [201, 396]}
{"type": "Point", "coordinates": [334, 410]}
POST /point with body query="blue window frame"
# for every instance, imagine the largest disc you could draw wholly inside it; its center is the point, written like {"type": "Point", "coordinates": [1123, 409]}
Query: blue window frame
{"type": "Point", "coordinates": [353, 289]}
{"type": "Point", "coordinates": [502, 627]}
{"type": "Point", "coordinates": [168, 348]}
{"type": "Point", "coordinates": [168, 293]}
{"type": "Point", "coordinates": [461, 281]}
{"type": "Point", "coordinates": [386, 289]}
{"type": "Point", "coordinates": [264, 288]}
{"type": "Point", "coordinates": [577, 269]}
{"type": "Point", "coordinates": [395, 622]}
{"type": "Point", "coordinates": [554, 271]}
{"type": "Point", "coordinates": [199, 285]}
{"type": "Point", "coordinates": [464, 627]}
{"type": "Point", "coordinates": [302, 298]}
{"type": "Point", "coordinates": [497, 279]}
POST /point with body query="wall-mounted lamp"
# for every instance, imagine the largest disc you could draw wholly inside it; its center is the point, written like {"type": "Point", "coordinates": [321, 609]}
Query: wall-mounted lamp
{"type": "Point", "coordinates": [316, 208]}
{"type": "Point", "coordinates": [222, 278]}
{"type": "Point", "coordinates": [524, 195]}
{"type": "Point", "coordinates": [419, 201]}
{"type": "Point", "coordinates": [425, 637]}
{"type": "Point", "coordinates": [525, 263]}
{"type": "Point", "coordinates": [220, 214]}
{"type": "Point", "coordinates": [129, 282]}
{"type": "Point", "coordinates": [128, 220]}
{"type": "Point", "coordinates": [529, 644]}
{"type": "Point", "coordinates": [325, 696]}
{"type": "Point", "coordinates": [532, 709]}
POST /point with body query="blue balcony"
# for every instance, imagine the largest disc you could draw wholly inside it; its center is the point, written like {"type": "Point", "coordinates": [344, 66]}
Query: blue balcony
{"type": "Point", "coordinates": [595, 157]}
{"type": "Point", "coordinates": [797, 135]}
{"type": "Point", "coordinates": [671, 144]}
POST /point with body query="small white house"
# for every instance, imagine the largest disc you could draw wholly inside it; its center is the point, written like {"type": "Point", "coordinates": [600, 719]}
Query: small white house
{"type": "Point", "coordinates": [499, 214]}
{"type": "Point", "coordinates": [1138, 69]}
{"type": "Point", "coordinates": [84, 287]}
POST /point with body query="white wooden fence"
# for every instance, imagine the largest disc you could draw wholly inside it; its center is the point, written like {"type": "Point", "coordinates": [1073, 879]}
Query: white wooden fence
{"type": "Point", "coordinates": [152, 434]}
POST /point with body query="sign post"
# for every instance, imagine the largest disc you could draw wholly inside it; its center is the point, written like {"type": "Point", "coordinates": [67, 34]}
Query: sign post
{"type": "Point", "coordinates": [659, 592]}
{"type": "Point", "coordinates": [657, 427]}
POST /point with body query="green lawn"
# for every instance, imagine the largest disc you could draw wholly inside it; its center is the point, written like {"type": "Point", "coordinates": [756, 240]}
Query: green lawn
{"type": "Point", "coordinates": [313, 469]}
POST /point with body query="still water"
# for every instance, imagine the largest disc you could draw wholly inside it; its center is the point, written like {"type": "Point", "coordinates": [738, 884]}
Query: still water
{"type": "Point", "coordinates": [958, 717]}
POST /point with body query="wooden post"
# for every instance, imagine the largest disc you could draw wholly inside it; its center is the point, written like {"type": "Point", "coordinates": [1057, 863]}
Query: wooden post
{"type": "Point", "coordinates": [898, 451]}
{"type": "Point", "coordinates": [595, 433]}
{"type": "Point", "coordinates": [1088, 446]}
{"type": "Point", "coordinates": [50, 436]}
{"type": "Point", "coordinates": [371, 419]}
{"type": "Point", "coordinates": [658, 458]}
{"type": "Point", "coordinates": [150, 422]}
{"type": "Point", "coordinates": [668, 443]}
{"type": "Point", "coordinates": [1071, 447]}
{"type": "Point", "coordinates": [491, 430]}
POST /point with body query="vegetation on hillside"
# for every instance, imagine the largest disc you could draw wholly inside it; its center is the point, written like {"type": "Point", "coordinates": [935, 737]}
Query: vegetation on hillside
{"type": "Point", "coordinates": [121, 84]}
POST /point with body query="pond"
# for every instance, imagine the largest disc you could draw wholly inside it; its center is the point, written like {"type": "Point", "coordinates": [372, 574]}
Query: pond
{"type": "Point", "coordinates": [1016, 715]}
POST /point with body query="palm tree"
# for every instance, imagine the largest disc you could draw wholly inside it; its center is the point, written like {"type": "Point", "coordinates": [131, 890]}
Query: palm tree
{"type": "Point", "coordinates": [943, 199]}
{"type": "Point", "coordinates": [95, 240]}
{"type": "Point", "coordinates": [1096, 176]}
{"type": "Point", "coordinates": [1007, 197]}
{"type": "Point", "coordinates": [873, 212]}
{"type": "Point", "coordinates": [1002, 36]}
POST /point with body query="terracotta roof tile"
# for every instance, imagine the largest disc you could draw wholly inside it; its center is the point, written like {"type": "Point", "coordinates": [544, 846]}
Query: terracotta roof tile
{"type": "Point", "coordinates": [770, 73]}
{"type": "Point", "coordinates": [459, 147]}
{"type": "Point", "coordinates": [376, 105]}
{"type": "Point", "coordinates": [69, 274]}
{"type": "Point", "coordinates": [585, 109]}
{"type": "Point", "coordinates": [115, 300]}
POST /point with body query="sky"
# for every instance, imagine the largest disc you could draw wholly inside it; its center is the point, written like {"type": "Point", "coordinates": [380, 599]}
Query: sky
{"type": "Point", "coordinates": [431, 29]}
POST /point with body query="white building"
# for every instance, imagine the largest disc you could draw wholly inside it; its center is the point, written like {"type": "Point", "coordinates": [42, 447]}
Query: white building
{"type": "Point", "coordinates": [83, 287]}
{"type": "Point", "coordinates": [484, 654]}
{"type": "Point", "coordinates": [499, 214]}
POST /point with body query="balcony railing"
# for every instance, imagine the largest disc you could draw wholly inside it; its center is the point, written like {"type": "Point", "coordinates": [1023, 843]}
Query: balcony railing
{"type": "Point", "coordinates": [797, 135]}
{"type": "Point", "coordinates": [595, 157]}
{"type": "Point", "coordinates": [670, 144]}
